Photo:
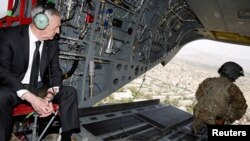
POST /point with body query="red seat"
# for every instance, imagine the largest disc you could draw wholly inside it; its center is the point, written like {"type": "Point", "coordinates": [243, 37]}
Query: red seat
{"type": "Point", "coordinates": [24, 109]}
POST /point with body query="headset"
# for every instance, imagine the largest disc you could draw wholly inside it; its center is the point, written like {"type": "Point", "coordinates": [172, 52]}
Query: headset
{"type": "Point", "coordinates": [41, 20]}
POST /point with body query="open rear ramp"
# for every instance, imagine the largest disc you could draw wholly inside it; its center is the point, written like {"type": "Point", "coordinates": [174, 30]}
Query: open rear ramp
{"type": "Point", "coordinates": [137, 121]}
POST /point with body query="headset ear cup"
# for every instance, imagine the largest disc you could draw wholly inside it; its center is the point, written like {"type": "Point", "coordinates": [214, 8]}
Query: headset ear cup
{"type": "Point", "coordinates": [41, 21]}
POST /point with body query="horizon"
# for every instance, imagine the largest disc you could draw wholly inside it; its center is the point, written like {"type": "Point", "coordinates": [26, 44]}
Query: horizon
{"type": "Point", "coordinates": [216, 53]}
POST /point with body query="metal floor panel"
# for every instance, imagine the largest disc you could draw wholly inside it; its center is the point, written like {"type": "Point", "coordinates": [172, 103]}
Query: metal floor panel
{"type": "Point", "coordinates": [165, 117]}
{"type": "Point", "coordinates": [158, 123]}
{"type": "Point", "coordinates": [112, 125]}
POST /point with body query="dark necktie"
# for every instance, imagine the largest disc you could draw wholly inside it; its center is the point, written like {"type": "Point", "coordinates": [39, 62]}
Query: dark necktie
{"type": "Point", "coordinates": [35, 69]}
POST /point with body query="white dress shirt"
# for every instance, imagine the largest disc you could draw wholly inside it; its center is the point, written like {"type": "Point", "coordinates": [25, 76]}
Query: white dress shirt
{"type": "Point", "coordinates": [32, 47]}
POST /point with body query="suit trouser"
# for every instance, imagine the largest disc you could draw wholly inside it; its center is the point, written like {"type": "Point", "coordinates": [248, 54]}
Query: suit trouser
{"type": "Point", "coordinates": [66, 98]}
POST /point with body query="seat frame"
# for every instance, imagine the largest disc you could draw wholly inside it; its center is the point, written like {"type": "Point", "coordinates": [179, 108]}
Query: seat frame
{"type": "Point", "coordinates": [25, 109]}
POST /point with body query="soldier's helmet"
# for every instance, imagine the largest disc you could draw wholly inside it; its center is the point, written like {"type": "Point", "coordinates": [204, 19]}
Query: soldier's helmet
{"type": "Point", "coordinates": [231, 70]}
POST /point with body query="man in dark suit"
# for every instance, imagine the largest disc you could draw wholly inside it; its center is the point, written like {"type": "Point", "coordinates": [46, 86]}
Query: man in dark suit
{"type": "Point", "coordinates": [17, 47]}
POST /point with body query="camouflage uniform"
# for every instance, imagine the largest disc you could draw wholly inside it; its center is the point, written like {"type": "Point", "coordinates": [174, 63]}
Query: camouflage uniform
{"type": "Point", "coordinates": [218, 97]}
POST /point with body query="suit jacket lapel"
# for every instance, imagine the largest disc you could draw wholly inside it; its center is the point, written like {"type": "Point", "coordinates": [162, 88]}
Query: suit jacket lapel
{"type": "Point", "coordinates": [44, 58]}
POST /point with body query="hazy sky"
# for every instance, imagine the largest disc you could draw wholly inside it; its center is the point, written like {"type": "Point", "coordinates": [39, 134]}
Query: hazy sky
{"type": "Point", "coordinates": [234, 50]}
{"type": "Point", "coordinates": [216, 53]}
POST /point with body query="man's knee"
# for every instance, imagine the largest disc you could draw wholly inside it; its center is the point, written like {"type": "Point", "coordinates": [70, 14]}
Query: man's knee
{"type": "Point", "coordinates": [69, 89]}
{"type": "Point", "coordinates": [69, 92]}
